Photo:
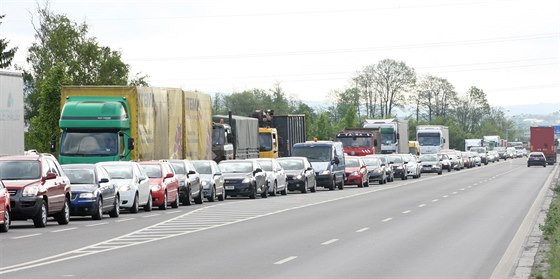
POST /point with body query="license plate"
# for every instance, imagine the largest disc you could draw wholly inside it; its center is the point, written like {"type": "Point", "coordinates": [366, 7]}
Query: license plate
{"type": "Point", "coordinates": [230, 187]}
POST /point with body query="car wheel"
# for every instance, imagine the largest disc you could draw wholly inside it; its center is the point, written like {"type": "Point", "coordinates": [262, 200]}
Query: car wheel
{"type": "Point", "coordinates": [40, 219]}
{"type": "Point", "coordinates": [285, 190]}
{"type": "Point", "coordinates": [314, 188]}
{"type": "Point", "coordinates": [116, 209]}
{"type": "Point", "coordinates": [341, 184]}
{"type": "Point", "coordinates": [63, 217]}
{"type": "Point", "coordinates": [134, 208]}
{"type": "Point", "coordinates": [253, 194]}
{"type": "Point", "coordinates": [274, 189]}
{"type": "Point", "coordinates": [163, 206]}
{"type": "Point", "coordinates": [175, 203]}
{"type": "Point", "coordinates": [264, 193]}
{"type": "Point", "coordinates": [212, 197]}
{"type": "Point", "coordinates": [304, 190]}
{"type": "Point", "coordinates": [188, 199]}
{"type": "Point", "coordinates": [200, 198]}
{"type": "Point", "coordinates": [333, 185]}
{"type": "Point", "coordinates": [5, 227]}
{"type": "Point", "coordinates": [222, 197]}
{"type": "Point", "coordinates": [149, 205]}
{"type": "Point", "coordinates": [98, 215]}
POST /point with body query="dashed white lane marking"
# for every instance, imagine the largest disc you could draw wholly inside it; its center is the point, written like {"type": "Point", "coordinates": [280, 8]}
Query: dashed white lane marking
{"type": "Point", "coordinates": [435, 200]}
{"type": "Point", "coordinates": [26, 236]}
{"type": "Point", "coordinates": [455, 193]}
{"type": "Point", "coordinates": [362, 230]}
{"type": "Point", "coordinates": [469, 187]}
{"type": "Point", "coordinates": [330, 241]}
{"type": "Point", "coordinates": [152, 215]}
{"type": "Point", "coordinates": [446, 196]}
{"type": "Point", "coordinates": [462, 189]}
{"type": "Point", "coordinates": [386, 219]}
{"type": "Point", "coordinates": [63, 230]}
{"type": "Point", "coordinates": [422, 205]}
{"type": "Point", "coordinates": [406, 212]}
{"type": "Point", "coordinates": [291, 258]}
{"type": "Point", "coordinates": [124, 220]}
{"type": "Point", "coordinates": [97, 224]}
{"type": "Point", "coordinates": [475, 184]}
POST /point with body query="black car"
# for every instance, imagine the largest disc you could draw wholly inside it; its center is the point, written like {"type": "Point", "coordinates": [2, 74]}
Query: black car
{"type": "Point", "coordinates": [399, 167]}
{"type": "Point", "coordinates": [299, 174]}
{"type": "Point", "coordinates": [536, 159]}
{"type": "Point", "coordinates": [190, 185]}
{"type": "Point", "coordinates": [244, 178]}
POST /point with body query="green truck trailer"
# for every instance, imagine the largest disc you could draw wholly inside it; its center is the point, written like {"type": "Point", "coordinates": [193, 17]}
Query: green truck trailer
{"type": "Point", "coordinates": [111, 123]}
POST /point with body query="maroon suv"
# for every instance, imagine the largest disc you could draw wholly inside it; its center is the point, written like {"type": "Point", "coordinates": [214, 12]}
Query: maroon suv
{"type": "Point", "coordinates": [38, 188]}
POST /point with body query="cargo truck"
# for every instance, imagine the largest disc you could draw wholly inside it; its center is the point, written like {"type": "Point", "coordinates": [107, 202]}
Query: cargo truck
{"type": "Point", "coordinates": [235, 137]}
{"type": "Point", "coordinates": [360, 141]}
{"type": "Point", "coordinates": [112, 123]}
{"type": "Point", "coordinates": [542, 140]}
{"type": "Point", "coordinates": [491, 142]}
{"type": "Point", "coordinates": [472, 143]}
{"type": "Point", "coordinates": [432, 138]}
{"type": "Point", "coordinates": [394, 134]}
{"type": "Point", "coordinates": [11, 113]}
{"type": "Point", "coordinates": [279, 133]}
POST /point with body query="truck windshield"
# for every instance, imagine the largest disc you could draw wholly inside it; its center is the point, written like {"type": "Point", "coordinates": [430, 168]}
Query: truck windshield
{"type": "Point", "coordinates": [355, 141]}
{"type": "Point", "coordinates": [89, 143]}
{"type": "Point", "coordinates": [218, 136]}
{"type": "Point", "coordinates": [429, 139]}
{"type": "Point", "coordinates": [313, 153]}
{"type": "Point", "coordinates": [388, 138]}
{"type": "Point", "coordinates": [265, 141]}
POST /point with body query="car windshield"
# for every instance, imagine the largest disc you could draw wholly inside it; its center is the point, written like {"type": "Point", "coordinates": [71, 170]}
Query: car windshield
{"type": "Point", "coordinates": [119, 172]}
{"type": "Point", "coordinates": [372, 162]}
{"type": "Point", "coordinates": [291, 164]}
{"type": "Point", "coordinates": [236, 167]}
{"type": "Point", "coordinates": [428, 157]}
{"type": "Point", "coordinates": [20, 170]}
{"type": "Point", "coordinates": [396, 159]}
{"type": "Point", "coordinates": [80, 176]}
{"type": "Point", "coordinates": [266, 165]}
{"type": "Point", "coordinates": [179, 167]}
{"type": "Point", "coordinates": [352, 163]}
{"type": "Point", "coordinates": [202, 167]}
{"type": "Point", "coordinates": [153, 171]}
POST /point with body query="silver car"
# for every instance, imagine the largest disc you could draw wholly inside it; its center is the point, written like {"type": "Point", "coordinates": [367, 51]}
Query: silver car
{"type": "Point", "coordinates": [134, 185]}
{"type": "Point", "coordinates": [276, 176]}
{"type": "Point", "coordinates": [211, 179]}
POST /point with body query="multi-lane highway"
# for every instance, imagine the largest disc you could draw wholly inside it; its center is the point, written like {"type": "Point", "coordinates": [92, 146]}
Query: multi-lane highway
{"type": "Point", "coordinates": [457, 225]}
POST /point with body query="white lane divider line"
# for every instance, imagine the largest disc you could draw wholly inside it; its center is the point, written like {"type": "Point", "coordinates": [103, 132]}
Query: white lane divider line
{"type": "Point", "coordinates": [446, 196]}
{"type": "Point", "coordinates": [98, 224]}
{"type": "Point", "coordinates": [469, 187]}
{"type": "Point", "coordinates": [330, 241]}
{"type": "Point", "coordinates": [26, 236]}
{"type": "Point", "coordinates": [148, 216]}
{"type": "Point", "coordinates": [422, 205]}
{"type": "Point", "coordinates": [386, 219]}
{"type": "Point", "coordinates": [362, 230]}
{"type": "Point", "coordinates": [406, 211]}
{"type": "Point", "coordinates": [435, 200]}
{"type": "Point", "coordinates": [63, 230]}
{"type": "Point", "coordinates": [475, 184]}
{"type": "Point", "coordinates": [454, 193]}
{"type": "Point", "coordinates": [462, 189]}
{"type": "Point", "coordinates": [124, 220]}
{"type": "Point", "coordinates": [291, 258]}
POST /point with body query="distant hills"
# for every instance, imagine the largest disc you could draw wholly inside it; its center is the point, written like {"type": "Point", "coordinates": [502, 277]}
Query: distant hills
{"type": "Point", "coordinates": [534, 109]}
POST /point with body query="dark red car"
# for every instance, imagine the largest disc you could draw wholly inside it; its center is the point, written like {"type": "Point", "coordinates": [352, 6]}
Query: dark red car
{"type": "Point", "coordinates": [163, 182]}
{"type": "Point", "coordinates": [4, 208]}
{"type": "Point", "coordinates": [38, 188]}
{"type": "Point", "coordinates": [356, 172]}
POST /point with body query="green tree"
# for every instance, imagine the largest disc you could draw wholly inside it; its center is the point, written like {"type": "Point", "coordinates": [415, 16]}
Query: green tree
{"type": "Point", "coordinates": [324, 127]}
{"type": "Point", "coordinates": [6, 54]}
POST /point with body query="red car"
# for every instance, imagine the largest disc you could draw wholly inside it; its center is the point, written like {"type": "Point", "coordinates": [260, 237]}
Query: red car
{"type": "Point", "coordinates": [38, 188]}
{"type": "Point", "coordinates": [4, 208]}
{"type": "Point", "coordinates": [163, 182]}
{"type": "Point", "coordinates": [356, 172]}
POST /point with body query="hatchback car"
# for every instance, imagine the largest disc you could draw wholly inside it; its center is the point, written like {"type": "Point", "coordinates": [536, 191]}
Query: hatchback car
{"type": "Point", "coordinates": [164, 183]}
{"type": "Point", "coordinates": [299, 174]}
{"type": "Point", "coordinates": [399, 167]}
{"type": "Point", "coordinates": [134, 184]}
{"type": "Point", "coordinates": [356, 172]}
{"type": "Point", "coordinates": [376, 170]}
{"type": "Point", "coordinates": [92, 191]}
{"type": "Point", "coordinates": [38, 188]}
{"type": "Point", "coordinates": [445, 161]}
{"type": "Point", "coordinates": [5, 220]}
{"type": "Point", "coordinates": [190, 184]}
{"type": "Point", "coordinates": [244, 178]}
{"type": "Point", "coordinates": [211, 179]}
{"type": "Point", "coordinates": [430, 163]}
{"type": "Point", "coordinates": [276, 176]}
{"type": "Point", "coordinates": [536, 159]}
{"type": "Point", "coordinates": [388, 166]}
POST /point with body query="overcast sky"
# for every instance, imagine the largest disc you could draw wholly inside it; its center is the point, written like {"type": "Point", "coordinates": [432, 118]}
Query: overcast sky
{"type": "Point", "coordinates": [508, 48]}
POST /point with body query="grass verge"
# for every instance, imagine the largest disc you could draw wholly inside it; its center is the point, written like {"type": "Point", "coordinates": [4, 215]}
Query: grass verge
{"type": "Point", "coordinates": [551, 234]}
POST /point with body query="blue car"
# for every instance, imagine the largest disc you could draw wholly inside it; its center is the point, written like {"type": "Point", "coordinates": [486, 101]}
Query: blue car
{"type": "Point", "coordinates": [93, 193]}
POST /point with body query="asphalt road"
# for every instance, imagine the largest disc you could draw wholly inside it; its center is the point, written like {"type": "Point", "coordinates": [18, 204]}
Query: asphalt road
{"type": "Point", "coordinates": [457, 225]}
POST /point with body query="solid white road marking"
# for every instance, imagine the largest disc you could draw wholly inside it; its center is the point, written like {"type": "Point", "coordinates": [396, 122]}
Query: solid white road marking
{"type": "Point", "coordinates": [406, 212]}
{"type": "Point", "coordinates": [63, 230]}
{"type": "Point", "coordinates": [362, 230]}
{"type": "Point", "coordinates": [98, 224]}
{"type": "Point", "coordinates": [387, 219]}
{"type": "Point", "coordinates": [330, 241]}
{"type": "Point", "coordinates": [26, 236]}
{"type": "Point", "coordinates": [173, 212]}
{"type": "Point", "coordinates": [286, 260]}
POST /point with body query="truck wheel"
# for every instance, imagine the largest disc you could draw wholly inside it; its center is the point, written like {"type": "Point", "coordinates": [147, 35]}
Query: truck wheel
{"type": "Point", "coordinates": [5, 227]}
{"type": "Point", "coordinates": [63, 217]}
{"type": "Point", "coordinates": [116, 208]}
{"type": "Point", "coordinates": [40, 219]}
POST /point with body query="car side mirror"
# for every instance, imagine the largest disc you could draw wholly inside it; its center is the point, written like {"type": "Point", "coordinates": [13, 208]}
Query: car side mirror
{"type": "Point", "coordinates": [104, 180]}
{"type": "Point", "coordinates": [141, 178]}
{"type": "Point", "coordinates": [258, 170]}
{"type": "Point", "coordinates": [420, 161]}
{"type": "Point", "coordinates": [191, 172]}
{"type": "Point", "coordinates": [309, 169]}
{"type": "Point", "coordinates": [50, 175]}
{"type": "Point", "coordinates": [169, 175]}
{"type": "Point", "coordinates": [336, 160]}
{"type": "Point", "coordinates": [218, 174]}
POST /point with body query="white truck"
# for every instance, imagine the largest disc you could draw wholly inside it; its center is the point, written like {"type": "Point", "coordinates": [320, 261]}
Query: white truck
{"type": "Point", "coordinates": [11, 113]}
{"type": "Point", "coordinates": [432, 138]}
{"type": "Point", "coordinates": [472, 143]}
{"type": "Point", "coordinates": [394, 134]}
{"type": "Point", "coordinates": [491, 142]}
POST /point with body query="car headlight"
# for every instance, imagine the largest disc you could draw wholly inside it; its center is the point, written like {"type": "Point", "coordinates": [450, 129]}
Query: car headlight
{"type": "Point", "coordinates": [246, 180]}
{"type": "Point", "coordinates": [204, 182]}
{"type": "Point", "coordinates": [182, 183]}
{"type": "Point", "coordinates": [30, 191]}
{"type": "Point", "coordinates": [354, 173]}
{"type": "Point", "coordinates": [326, 172]}
{"type": "Point", "coordinates": [86, 195]}
{"type": "Point", "coordinates": [125, 187]}
{"type": "Point", "coordinates": [155, 187]}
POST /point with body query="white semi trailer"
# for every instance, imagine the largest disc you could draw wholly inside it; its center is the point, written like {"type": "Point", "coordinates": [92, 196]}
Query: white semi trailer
{"type": "Point", "coordinates": [11, 113]}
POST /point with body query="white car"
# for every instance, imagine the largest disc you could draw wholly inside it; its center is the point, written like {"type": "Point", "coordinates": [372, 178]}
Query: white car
{"type": "Point", "coordinates": [276, 176]}
{"type": "Point", "coordinates": [134, 185]}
